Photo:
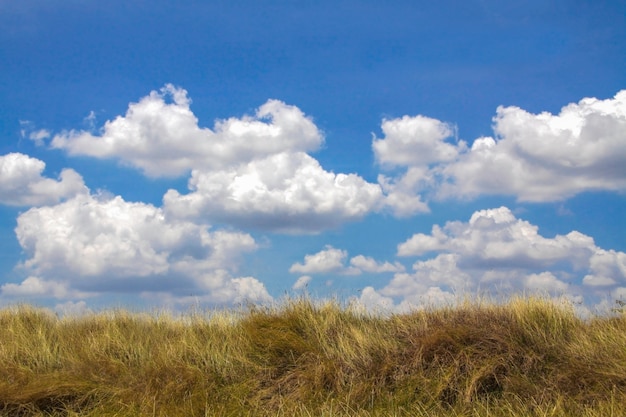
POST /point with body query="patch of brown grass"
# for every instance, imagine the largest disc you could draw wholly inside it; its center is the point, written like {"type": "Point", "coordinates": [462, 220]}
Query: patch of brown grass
{"type": "Point", "coordinates": [528, 357]}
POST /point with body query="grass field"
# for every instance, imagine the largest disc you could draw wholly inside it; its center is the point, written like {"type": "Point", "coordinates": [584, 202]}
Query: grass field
{"type": "Point", "coordinates": [527, 357]}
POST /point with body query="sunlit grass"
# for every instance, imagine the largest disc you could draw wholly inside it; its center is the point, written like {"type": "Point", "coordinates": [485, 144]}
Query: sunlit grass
{"type": "Point", "coordinates": [527, 357]}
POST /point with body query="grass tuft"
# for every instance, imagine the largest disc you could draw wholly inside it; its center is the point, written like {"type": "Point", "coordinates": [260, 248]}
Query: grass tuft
{"type": "Point", "coordinates": [527, 357]}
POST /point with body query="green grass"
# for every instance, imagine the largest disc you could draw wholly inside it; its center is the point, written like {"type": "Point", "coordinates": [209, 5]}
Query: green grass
{"type": "Point", "coordinates": [528, 357]}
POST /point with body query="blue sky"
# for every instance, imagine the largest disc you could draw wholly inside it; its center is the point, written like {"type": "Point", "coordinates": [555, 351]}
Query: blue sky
{"type": "Point", "coordinates": [168, 154]}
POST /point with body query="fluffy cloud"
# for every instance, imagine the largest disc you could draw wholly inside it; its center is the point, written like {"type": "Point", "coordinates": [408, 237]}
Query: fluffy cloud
{"type": "Point", "coordinates": [21, 182]}
{"type": "Point", "coordinates": [160, 135]}
{"type": "Point", "coordinates": [98, 244]}
{"type": "Point", "coordinates": [545, 281]}
{"type": "Point", "coordinates": [415, 141]}
{"type": "Point", "coordinates": [401, 192]}
{"type": "Point", "coordinates": [605, 268]}
{"type": "Point", "coordinates": [494, 251]}
{"type": "Point", "coordinates": [37, 287]}
{"type": "Point", "coordinates": [370, 265]}
{"type": "Point", "coordinates": [333, 261]}
{"type": "Point", "coordinates": [546, 157]}
{"type": "Point", "coordinates": [493, 237]}
{"type": "Point", "coordinates": [329, 260]}
{"type": "Point", "coordinates": [302, 282]}
{"type": "Point", "coordinates": [373, 300]}
{"type": "Point", "coordinates": [287, 192]}
{"type": "Point", "coordinates": [221, 290]}
{"type": "Point", "coordinates": [535, 157]}
{"type": "Point", "coordinates": [253, 171]}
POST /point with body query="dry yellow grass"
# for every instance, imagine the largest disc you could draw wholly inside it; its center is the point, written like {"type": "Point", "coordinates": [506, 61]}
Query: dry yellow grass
{"type": "Point", "coordinates": [528, 357]}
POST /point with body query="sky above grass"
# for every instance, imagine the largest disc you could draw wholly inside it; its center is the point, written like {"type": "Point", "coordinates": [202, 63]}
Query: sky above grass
{"type": "Point", "coordinates": [396, 154]}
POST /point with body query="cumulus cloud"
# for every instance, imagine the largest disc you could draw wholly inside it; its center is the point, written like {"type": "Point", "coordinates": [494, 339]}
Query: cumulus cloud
{"type": "Point", "coordinates": [373, 300]}
{"type": "Point", "coordinates": [100, 244]}
{"type": "Point", "coordinates": [33, 287]}
{"type": "Point", "coordinates": [402, 192]}
{"type": "Point", "coordinates": [302, 282]}
{"type": "Point", "coordinates": [493, 252]}
{"type": "Point", "coordinates": [328, 260]}
{"type": "Point", "coordinates": [415, 141]}
{"type": "Point", "coordinates": [534, 157]}
{"type": "Point", "coordinates": [160, 135]}
{"type": "Point", "coordinates": [253, 171]}
{"type": "Point", "coordinates": [605, 268]}
{"type": "Point", "coordinates": [546, 157]}
{"type": "Point", "coordinates": [418, 144]}
{"type": "Point", "coordinates": [333, 261]}
{"type": "Point", "coordinates": [547, 282]}
{"type": "Point", "coordinates": [495, 236]}
{"type": "Point", "coordinates": [370, 265]}
{"type": "Point", "coordinates": [223, 291]}
{"type": "Point", "coordinates": [287, 192]}
{"type": "Point", "coordinates": [439, 276]}
{"type": "Point", "coordinates": [22, 183]}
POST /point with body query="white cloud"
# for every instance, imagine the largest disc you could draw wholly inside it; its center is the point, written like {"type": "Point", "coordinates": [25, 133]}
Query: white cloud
{"type": "Point", "coordinates": [90, 120]}
{"type": "Point", "coordinates": [546, 157]}
{"type": "Point", "coordinates": [400, 192]}
{"type": "Point", "coordinates": [494, 252]}
{"type": "Point", "coordinates": [286, 192]}
{"type": "Point", "coordinates": [72, 309]}
{"type": "Point", "coordinates": [546, 282]}
{"type": "Point", "coordinates": [415, 141]}
{"type": "Point", "coordinates": [493, 237]}
{"type": "Point", "coordinates": [605, 268]}
{"type": "Point", "coordinates": [89, 237]}
{"type": "Point", "coordinates": [238, 290]}
{"type": "Point", "coordinates": [441, 272]}
{"type": "Point", "coordinates": [252, 171]}
{"type": "Point", "coordinates": [302, 282]}
{"type": "Point", "coordinates": [370, 265]}
{"type": "Point", "coordinates": [28, 131]}
{"type": "Point", "coordinates": [374, 300]}
{"type": "Point", "coordinates": [163, 138]}
{"type": "Point", "coordinates": [98, 244]}
{"type": "Point", "coordinates": [227, 291]}
{"type": "Point", "coordinates": [418, 144]}
{"type": "Point", "coordinates": [534, 157]}
{"type": "Point", "coordinates": [39, 136]}
{"type": "Point", "coordinates": [326, 261]}
{"type": "Point", "coordinates": [333, 261]}
{"type": "Point", "coordinates": [21, 183]}
{"type": "Point", "coordinates": [37, 287]}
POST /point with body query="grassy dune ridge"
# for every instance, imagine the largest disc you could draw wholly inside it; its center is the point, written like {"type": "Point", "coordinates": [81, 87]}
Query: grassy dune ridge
{"type": "Point", "coordinates": [529, 357]}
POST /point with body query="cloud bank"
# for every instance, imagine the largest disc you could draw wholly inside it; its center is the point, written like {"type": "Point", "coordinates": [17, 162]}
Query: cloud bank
{"type": "Point", "coordinates": [534, 157]}
{"type": "Point", "coordinates": [495, 253]}
{"type": "Point", "coordinates": [92, 244]}
{"type": "Point", "coordinates": [257, 172]}
{"type": "Point", "coordinates": [253, 171]}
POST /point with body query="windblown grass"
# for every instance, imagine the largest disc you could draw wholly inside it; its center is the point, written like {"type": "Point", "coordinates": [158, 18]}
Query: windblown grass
{"type": "Point", "coordinates": [528, 357]}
